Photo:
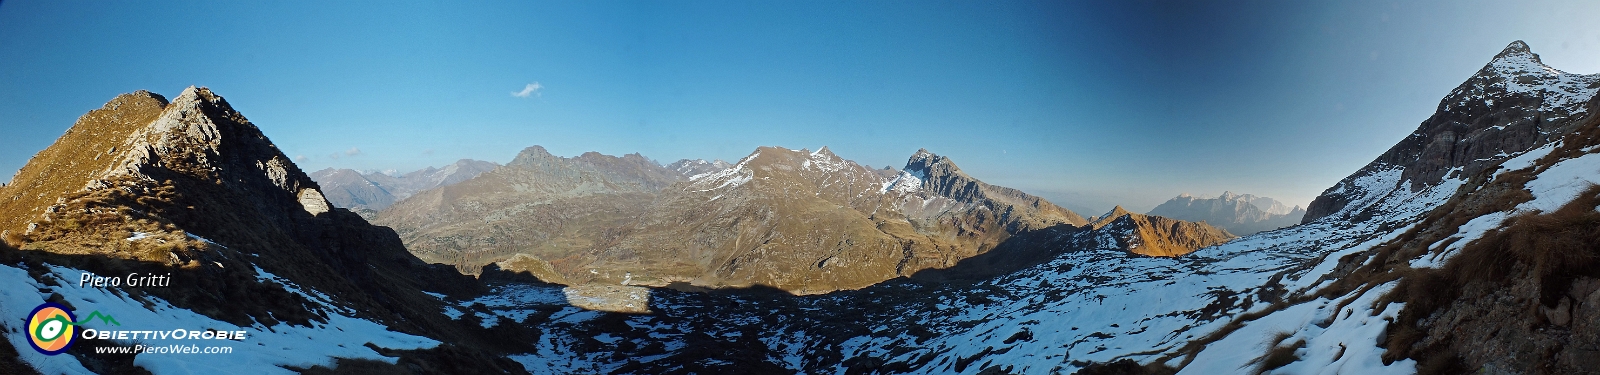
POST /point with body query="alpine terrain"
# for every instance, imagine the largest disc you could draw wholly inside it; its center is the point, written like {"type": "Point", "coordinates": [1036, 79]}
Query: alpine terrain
{"type": "Point", "coordinates": [798, 220]}
{"type": "Point", "coordinates": [1468, 247]}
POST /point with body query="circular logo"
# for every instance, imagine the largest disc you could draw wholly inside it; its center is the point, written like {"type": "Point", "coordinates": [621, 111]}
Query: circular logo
{"type": "Point", "coordinates": [50, 329]}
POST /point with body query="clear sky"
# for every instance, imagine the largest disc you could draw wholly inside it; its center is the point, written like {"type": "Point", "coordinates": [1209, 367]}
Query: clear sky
{"type": "Point", "coordinates": [1087, 103]}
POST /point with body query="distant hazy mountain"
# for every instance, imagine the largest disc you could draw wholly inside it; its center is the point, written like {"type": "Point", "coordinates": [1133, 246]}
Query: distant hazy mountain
{"type": "Point", "coordinates": [1239, 214]}
{"type": "Point", "coordinates": [374, 191]}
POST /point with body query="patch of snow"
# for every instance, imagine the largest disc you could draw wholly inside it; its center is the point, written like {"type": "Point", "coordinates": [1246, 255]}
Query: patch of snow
{"type": "Point", "coordinates": [1526, 159]}
{"type": "Point", "coordinates": [203, 239]}
{"type": "Point", "coordinates": [907, 182]}
{"type": "Point", "coordinates": [1561, 183]}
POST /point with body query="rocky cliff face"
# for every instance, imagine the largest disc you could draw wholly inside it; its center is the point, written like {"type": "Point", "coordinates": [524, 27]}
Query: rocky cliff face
{"type": "Point", "coordinates": [367, 193]}
{"type": "Point", "coordinates": [1512, 105]}
{"type": "Point", "coordinates": [1240, 214]}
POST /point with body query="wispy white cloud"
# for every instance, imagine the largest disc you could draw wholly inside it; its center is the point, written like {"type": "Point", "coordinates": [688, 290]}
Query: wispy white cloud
{"type": "Point", "coordinates": [352, 151]}
{"type": "Point", "coordinates": [532, 89]}
{"type": "Point", "coordinates": [301, 158]}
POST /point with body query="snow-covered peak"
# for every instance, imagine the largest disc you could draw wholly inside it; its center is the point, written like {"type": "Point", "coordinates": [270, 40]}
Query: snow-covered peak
{"type": "Point", "coordinates": [1517, 71]}
{"type": "Point", "coordinates": [1517, 56]}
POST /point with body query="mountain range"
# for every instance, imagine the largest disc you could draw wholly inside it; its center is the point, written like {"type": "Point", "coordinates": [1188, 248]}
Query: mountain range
{"type": "Point", "coordinates": [798, 220]}
{"type": "Point", "coordinates": [1239, 214]}
{"type": "Point", "coordinates": [1465, 248]}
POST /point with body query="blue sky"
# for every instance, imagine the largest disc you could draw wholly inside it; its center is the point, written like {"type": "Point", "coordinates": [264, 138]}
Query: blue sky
{"type": "Point", "coordinates": [1086, 103]}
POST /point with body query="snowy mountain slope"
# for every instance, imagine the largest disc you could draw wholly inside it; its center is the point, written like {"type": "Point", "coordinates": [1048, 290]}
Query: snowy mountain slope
{"type": "Point", "coordinates": [268, 349]}
{"type": "Point", "coordinates": [1088, 305]}
{"type": "Point", "coordinates": [1513, 104]}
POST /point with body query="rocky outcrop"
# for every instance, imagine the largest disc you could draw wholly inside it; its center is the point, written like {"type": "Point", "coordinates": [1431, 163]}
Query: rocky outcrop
{"type": "Point", "coordinates": [1513, 104]}
{"type": "Point", "coordinates": [1150, 235]}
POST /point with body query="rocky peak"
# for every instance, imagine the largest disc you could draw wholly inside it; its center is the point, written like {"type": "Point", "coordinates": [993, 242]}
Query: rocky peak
{"type": "Point", "coordinates": [532, 156]}
{"type": "Point", "coordinates": [942, 176]}
{"type": "Point", "coordinates": [931, 164]}
{"type": "Point", "coordinates": [1115, 213]}
{"type": "Point", "coordinates": [1517, 54]}
{"type": "Point", "coordinates": [1513, 104]}
{"type": "Point", "coordinates": [199, 136]}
